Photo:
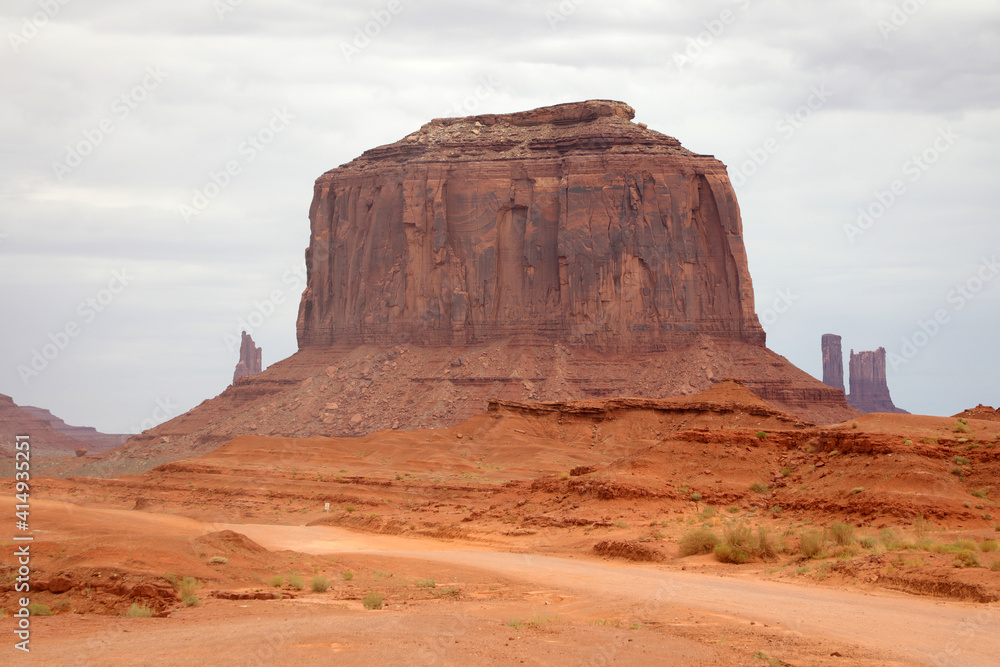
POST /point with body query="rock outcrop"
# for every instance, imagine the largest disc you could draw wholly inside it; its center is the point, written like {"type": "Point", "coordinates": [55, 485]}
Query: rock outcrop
{"type": "Point", "coordinates": [250, 359]}
{"type": "Point", "coordinates": [567, 224]}
{"type": "Point", "coordinates": [552, 255]}
{"type": "Point", "coordinates": [980, 412]}
{"type": "Point", "coordinates": [833, 361]}
{"type": "Point", "coordinates": [50, 436]}
{"type": "Point", "coordinates": [869, 389]}
{"type": "Point", "coordinates": [94, 440]}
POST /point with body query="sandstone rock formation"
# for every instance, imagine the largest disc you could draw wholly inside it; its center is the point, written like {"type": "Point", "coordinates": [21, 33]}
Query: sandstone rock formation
{"type": "Point", "coordinates": [250, 359]}
{"type": "Point", "coordinates": [869, 389]}
{"type": "Point", "coordinates": [551, 255]}
{"type": "Point", "coordinates": [833, 362]}
{"type": "Point", "coordinates": [50, 436]}
{"type": "Point", "coordinates": [980, 412]}
{"type": "Point", "coordinates": [94, 440]}
{"type": "Point", "coordinates": [566, 224]}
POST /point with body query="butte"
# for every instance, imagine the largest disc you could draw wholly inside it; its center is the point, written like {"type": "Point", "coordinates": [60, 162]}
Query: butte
{"type": "Point", "coordinates": [549, 255]}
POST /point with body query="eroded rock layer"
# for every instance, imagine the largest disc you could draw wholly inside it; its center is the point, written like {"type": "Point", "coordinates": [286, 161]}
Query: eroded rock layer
{"type": "Point", "coordinates": [869, 389]}
{"type": "Point", "coordinates": [568, 223]}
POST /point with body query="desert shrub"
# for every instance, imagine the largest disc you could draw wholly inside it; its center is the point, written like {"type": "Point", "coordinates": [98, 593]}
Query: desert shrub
{"type": "Point", "coordinates": [701, 541]}
{"type": "Point", "coordinates": [785, 472]}
{"type": "Point", "coordinates": [191, 601]}
{"type": "Point", "coordinates": [350, 508]}
{"type": "Point", "coordinates": [696, 496]}
{"type": "Point", "coordinates": [740, 544]}
{"type": "Point", "coordinates": [989, 546]}
{"type": "Point", "coordinates": [139, 611]}
{"type": "Point", "coordinates": [708, 512]}
{"type": "Point", "coordinates": [218, 560]}
{"type": "Point", "coordinates": [619, 523]}
{"type": "Point", "coordinates": [957, 472]}
{"type": "Point", "coordinates": [856, 490]}
{"type": "Point", "coordinates": [811, 543]}
{"type": "Point", "coordinates": [277, 581]}
{"type": "Point", "coordinates": [39, 609]}
{"type": "Point", "coordinates": [320, 584]}
{"type": "Point", "coordinates": [961, 461]}
{"type": "Point", "coordinates": [842, 533]}
{"type": "Point", "coordinates": [759, 487]}
{"type": "Point", "coordinates": [995, 565]}
{"type": "Point", "coordinates": [921, 526]}
{"type": "Point", "coordinates": [347, 576]}
{"type": "Point", "coordinates": [372, 600]}
{"type": "Point", "coordinates": [762, 435]}
{"type": "Point", "coordinates": [907, 442]}
{"type": "Point", "coordinates": [981, 493]}
{"type": "Point", "coordinates": [966, 558]}
{"type": "Point", "coordinates": [425, 583]}
{"type": "Point", "coordinates": [187, 587]}
{"type": "Point", "coordinates": [296, 582]}
{"type": "Point", "coordinates": [967, 545]}
{"type": "Point", "coordinates": [733, 509]}
{"type": "Point", "coordinates": [868, 542]}
{"type": "Point", "coordinates": [961, 427]}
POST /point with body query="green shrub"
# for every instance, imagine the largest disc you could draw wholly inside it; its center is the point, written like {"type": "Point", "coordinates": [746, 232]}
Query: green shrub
{"type": "Point", "coordinates": [372, 601]}
{"type": "Point", "coordinates": [989, 546]}
{"type": "Point", "coordinates": [842, 533]}
{"type": "Point", "coordinates": [701, 541]}
{"type": "Point", "coordinates": [759, 487]}
{"type": "Point", "coordinates": [762, 435]}
{"type": "Point", "coordinates": [425, 583]}
{"type": "Point", "coordinates": [320, 584]}
{"type": "Point", "coordinates": [961, 427]}
{"type": "Point", "coordinates": [708, 512]}
{"type": "Point", "coordinates": [296, 582]}
{"type": "Point", "coordinates": [785, 472]}
{"type": "Point", "coordinates": [39, 609]}
{"type": "Point", "coordinates": [966, 558]}
{"type": "Point", "coordinates": [727, 553]}
{"type": "Point", "coordinates": [696, 497]}
{"type": "Point", "coordinates": [218, 560]}
{"type": "Point", "coordinates": [139, 611]}
{"type": "Point", "coordinates": [191, 601]}
{"type": "Point", "coordinates": [347, 576]}
{"type": "Point", "coordinates": [186, 587]}
{"type": "Point", "coordinates": [995, 565]}
{"type": "Point", "coordinates": [981, 493]}
{"type": "Point", "coordinates": [961, 461]}
{"type": "Point", "coordinates": [811, 543]}
{"type": "Point", "coordinates": [740, 544]}
{"type": "Point", "coordinates": [957, 472]}
{"type": "Point", "coordinates": [277, 581]}
{"type": "Point", "coordinates": [868, 542]}
{"type": "Point", "coordinates": [733, 509]}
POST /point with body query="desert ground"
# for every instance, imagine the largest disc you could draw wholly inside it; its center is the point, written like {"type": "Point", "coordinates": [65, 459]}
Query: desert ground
{"type": "Point", "coordinates": [710, 529]}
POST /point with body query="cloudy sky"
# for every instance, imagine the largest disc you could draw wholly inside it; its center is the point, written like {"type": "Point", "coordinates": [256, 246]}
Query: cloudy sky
{"type": "Point", "coordinates": [863, 138]}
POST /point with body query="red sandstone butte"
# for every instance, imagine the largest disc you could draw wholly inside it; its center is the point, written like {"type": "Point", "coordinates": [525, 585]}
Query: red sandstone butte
{"type": "Point", "coordinates": [869, 389]}
{"type": "Point", "coordinates": [833, 361]}
{"type": "Point", "coordinates": [557, 254]}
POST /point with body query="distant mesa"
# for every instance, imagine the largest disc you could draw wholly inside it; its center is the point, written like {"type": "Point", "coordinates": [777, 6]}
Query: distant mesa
{"type": "Point", "coordinates": [869, 387]}
{"type": "Point", "coordinates": [557, 254]}
{"type": "Point", "coordinates": [250, 359]}
{"type": "Point", "coordinates": [50, 435]}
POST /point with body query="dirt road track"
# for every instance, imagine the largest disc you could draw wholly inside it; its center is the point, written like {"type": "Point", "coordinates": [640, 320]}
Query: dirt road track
{"type": "Point", "coordinates": [924, 631]}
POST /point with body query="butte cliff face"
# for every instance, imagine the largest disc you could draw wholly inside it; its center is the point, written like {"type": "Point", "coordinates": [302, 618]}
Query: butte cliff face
{"type": "Point", "coordinates": [869, 389]}
{"type": "Point", "coordinates": [551, 255]}
{"type": "Point", "coordinates": [833, 361]}
{"type": "Point", "coordinates": [567, 224]}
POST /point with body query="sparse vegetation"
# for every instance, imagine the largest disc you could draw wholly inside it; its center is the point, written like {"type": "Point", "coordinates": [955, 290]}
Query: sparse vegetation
{"type": "Point", "coordinates": [988, 546]}
{"type": "Point", "coordinates": [372, 600]}
{"type": "Point", "coordinates": [701, 541]}
{"type": "Point", "coordinates": [856, 490]}
{"type": "Point", "coordinates": [296, 582]}
{"type": "Point", "coordinates": [277, 581]}
{"type": "Point", "coordinates": [139, 611]}
{"type": "Point", "coordinates": [965, 558]}
{"type": "Point", "coordinates": [759, 487]}
{"type": "Point", "coordinates": [961, 461]}
{"type": "Point", "coordinates": [995, 565]}
{"type": "Point", "coordinates": [218, 560]}
{"type": "Point", "coordinates": [347, 576]}
{"type": "Point", "coordinates": [696, 497]}
{"type": "Point", "coordinates": [981, 493]}
{"type": "Point", "coordinates": [39, 609]}
{"type": "Point", "coordinates": [320, 584]}
{"type": "Point", "coordinates": [961, 427]}
{"type": "Point", "coordinates": [842, 533]}
{"type": "Point", "coordinates": [762, 435]}
{"type": "Point", "coordinates": [191, 601]}
{"type": "Point", "coordinates": [785, 472]}
{"type": "Point", "coordinates": [811, 543]}
{"type": "Point", "coordinates": [619, 523]}
{"type": "Point", "coordinates": [425, 583]}
{"type": "Point", "coordinates": [740, 544]}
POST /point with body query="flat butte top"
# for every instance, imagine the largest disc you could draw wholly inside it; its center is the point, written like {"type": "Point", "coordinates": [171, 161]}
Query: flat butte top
{"type": "Point", "coordinates": [577, 128]}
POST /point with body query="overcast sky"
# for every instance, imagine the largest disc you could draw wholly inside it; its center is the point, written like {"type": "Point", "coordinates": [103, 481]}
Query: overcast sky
{"type": "Point", "coordinates": [116, 116]}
